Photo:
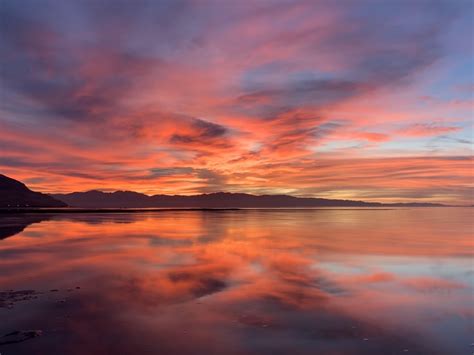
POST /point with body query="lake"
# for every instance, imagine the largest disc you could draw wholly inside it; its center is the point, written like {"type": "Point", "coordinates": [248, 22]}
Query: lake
{"type": "Point", "coordinates": [311, 281]}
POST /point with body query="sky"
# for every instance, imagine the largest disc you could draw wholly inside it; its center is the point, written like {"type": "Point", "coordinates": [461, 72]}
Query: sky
{"type": "Point", "coordinates": [369, 100]}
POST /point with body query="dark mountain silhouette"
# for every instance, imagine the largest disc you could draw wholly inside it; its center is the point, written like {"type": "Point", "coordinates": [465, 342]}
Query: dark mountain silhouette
{"type": "Point", "coordinates": [15, 194]}
{"type": "Point", "coordinates": [128, 199]}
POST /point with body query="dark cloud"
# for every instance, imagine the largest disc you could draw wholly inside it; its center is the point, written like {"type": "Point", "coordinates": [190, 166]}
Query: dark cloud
{"type": "Point", "coordinates": [307, 91]}
{"type": "Point", "coordinates": [327, 128]}
{"type": "Point", "coordinates": [203, 132]}
{"type": "Point", "coordinates": [162, 172]}
{"type": "Point", "coordinates": [270, 102]}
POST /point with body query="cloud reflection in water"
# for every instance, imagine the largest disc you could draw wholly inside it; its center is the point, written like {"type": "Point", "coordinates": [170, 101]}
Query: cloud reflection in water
{"type": "Point", "coordinates": [243, 282]}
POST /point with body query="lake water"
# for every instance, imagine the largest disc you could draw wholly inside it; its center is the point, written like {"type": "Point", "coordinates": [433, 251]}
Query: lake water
{"type": "Point", "coordinates": [324, 281]}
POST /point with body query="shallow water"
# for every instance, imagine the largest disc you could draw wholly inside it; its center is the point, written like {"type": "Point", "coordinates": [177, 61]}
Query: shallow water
{"type": "Point", "coordinates": [324, 281]}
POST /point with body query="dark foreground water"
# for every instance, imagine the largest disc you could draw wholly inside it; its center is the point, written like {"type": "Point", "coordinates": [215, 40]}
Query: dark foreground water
{"type": "Point", "coordinates": [257, 282]}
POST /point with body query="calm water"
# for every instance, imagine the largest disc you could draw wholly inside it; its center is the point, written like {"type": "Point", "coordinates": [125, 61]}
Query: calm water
{"type": "Point", "coordinates": [239, 282]}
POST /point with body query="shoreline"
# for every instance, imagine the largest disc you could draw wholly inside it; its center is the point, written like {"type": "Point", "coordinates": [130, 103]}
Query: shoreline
{"type": "Point", "coordinates": [73, 210]}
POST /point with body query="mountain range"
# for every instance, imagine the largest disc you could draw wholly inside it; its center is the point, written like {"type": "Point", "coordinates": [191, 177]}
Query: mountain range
{"type": "Point", "coordinates": [129, 199]}
{"type": "Point", "coordinates": [15, 194]}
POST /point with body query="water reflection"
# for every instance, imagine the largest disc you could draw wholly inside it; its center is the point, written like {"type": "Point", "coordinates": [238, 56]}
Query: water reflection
{"type": "Point", "coordinates": [14, 224]}
{"type": "Point", "coordinates": [241, 282]}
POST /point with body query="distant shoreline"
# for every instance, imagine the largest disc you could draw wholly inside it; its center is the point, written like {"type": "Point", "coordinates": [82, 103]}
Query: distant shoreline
{"type": "Point", "coordinates": [67, 210]}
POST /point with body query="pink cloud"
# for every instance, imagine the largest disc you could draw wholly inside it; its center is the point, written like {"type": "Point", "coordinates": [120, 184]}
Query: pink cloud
{"type": "Point", "coordinates": [427, 129]}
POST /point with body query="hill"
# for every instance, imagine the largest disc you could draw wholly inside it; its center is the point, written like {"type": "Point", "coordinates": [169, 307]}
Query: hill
{"type": "Point", "coordinates": [15, 194]}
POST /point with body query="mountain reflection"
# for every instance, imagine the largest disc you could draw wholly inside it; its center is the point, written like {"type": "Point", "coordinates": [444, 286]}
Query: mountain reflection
{"type": "Point", "coordinates": [14, 224]}
{"type": "Point", "coordinates": [242, 282]}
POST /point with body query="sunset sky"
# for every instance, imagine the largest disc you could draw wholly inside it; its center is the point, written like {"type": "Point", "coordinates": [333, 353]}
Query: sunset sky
{"type": "Point", "coordinates": [369, 100]}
